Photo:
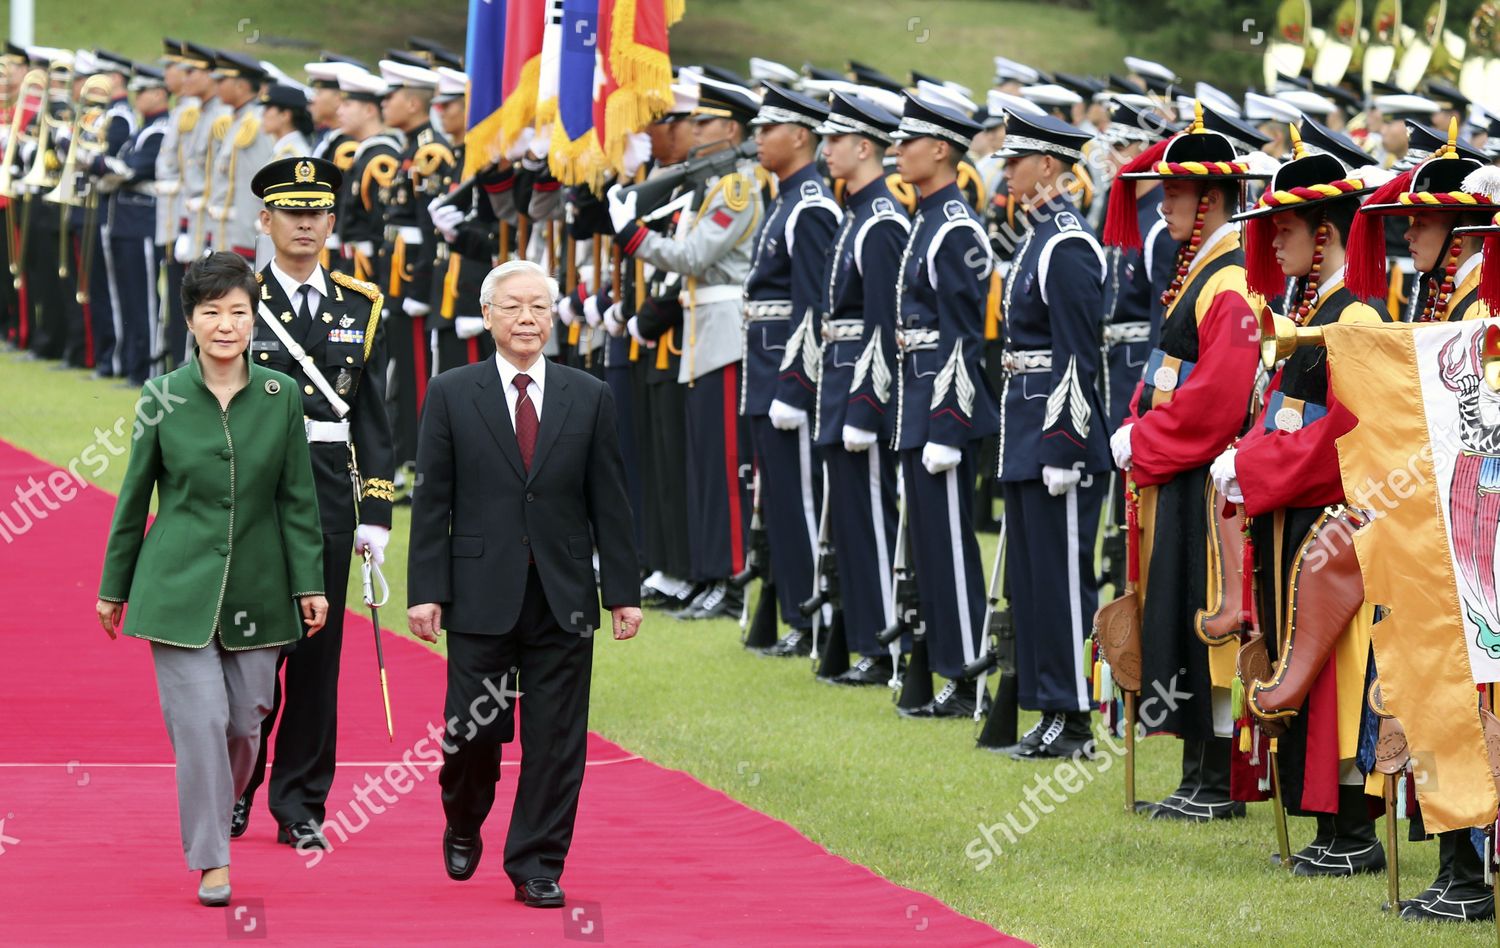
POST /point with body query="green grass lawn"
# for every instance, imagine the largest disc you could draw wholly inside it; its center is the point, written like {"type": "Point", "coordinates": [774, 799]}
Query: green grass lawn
{"type": "Point", "coordinates": [905, 798]}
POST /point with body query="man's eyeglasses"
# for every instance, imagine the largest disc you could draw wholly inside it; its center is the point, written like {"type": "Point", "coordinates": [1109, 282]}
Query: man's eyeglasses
{"type": "Point", "coordinates": [510, 311]}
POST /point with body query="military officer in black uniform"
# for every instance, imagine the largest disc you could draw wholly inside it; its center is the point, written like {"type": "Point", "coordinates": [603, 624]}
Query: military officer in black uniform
{"type": "Point", "coordinates": [321, 328]}
{"type": "Point", "coordinates": [784, 294]}
{"type": "Point", "coordinates": [853, 424]}
{"type": "Point", "coordinates": [945, 405]}
{"type": "Point", "coordinates": [1054, 452]}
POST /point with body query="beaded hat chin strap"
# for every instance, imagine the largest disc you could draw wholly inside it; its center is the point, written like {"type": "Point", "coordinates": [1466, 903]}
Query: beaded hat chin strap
{"type": "Point", "coordinates": [1187, 252]}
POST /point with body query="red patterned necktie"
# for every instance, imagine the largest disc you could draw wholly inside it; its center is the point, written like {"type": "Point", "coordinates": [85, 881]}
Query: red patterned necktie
{"type": "Point", "coordinates": [526, 421]}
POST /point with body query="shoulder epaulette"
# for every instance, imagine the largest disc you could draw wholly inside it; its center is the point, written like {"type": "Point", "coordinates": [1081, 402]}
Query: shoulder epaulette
{"type": "Point", "coordinates": [248, 132]}
{"type": "Point", "coordinates": [363, 288]}
{"type": "Point", "coordinates": [220, 127]}
{"type": "Point", "coordinates": [187, 119]}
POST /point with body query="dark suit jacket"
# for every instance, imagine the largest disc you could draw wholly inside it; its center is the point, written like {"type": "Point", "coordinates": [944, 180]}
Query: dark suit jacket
{"type": "Point", "coordinates": [477, 515]}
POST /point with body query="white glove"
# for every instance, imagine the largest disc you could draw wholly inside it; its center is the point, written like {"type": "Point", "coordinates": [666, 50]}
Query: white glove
{"type": "Point", "coordinates": [413, 307]}
{"type": "Point", "coordinates": [1060, 480]}
{"type": "Point", "coordinates": [182, 249]}
{"type": "Point", "coordinates": [612, 322]}
{"type": "Point", "coordinates": [446, 219]}
{"type": "Point", "coordinates": [565, 312]}
{"type": "Point", "coordinates": [634, 328]}
{"type": "Point", "coordinates": [1119, 446]}
{"type": "Point", "coordinates": [858, 439]}
{"type": "Point", "coordinates": [637, 150]}
{"type": "Point", "coordinates": [591, 313]}
{"type": "Point", "coordinates": [522, 143]}
{"type": "Point", "coordinates": [374, 539]}
{"type": "Point", "coordinates": [786, 418]}
{"type": "Point", "coordinates": [467, 327]}
{"type": "Point", "coordinates": [621, 207]}
{"type": "Point", "coordinates": [194, 204]}
{"type": "Point", "coordinates": [1225, 479]}
{"type": "Point", "coordinates": [938, 458]}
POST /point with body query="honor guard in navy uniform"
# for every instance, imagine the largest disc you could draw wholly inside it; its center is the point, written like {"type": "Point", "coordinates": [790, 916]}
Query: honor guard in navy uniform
{"type": "Point", "coordinates": [128, 182]}
{"type": "Point", "coordinates": [406, 255]}
{"type": "Point", "coordinates": [854, 423]}
{"type": "Point", "coordinates": [243, 151]}
{"type": "Point", "coordinates": [784, 295]}
{"type": "Point", "coordinates": [711, 252]}
{"type": "Point", "coordinates": [1054, 451]}
{"type": "Point", "coordinates": [373, 156]}
{"type": "Point", "coordinates": [321, 328]}
{"type": "Point", "coordinates": [945, 405]}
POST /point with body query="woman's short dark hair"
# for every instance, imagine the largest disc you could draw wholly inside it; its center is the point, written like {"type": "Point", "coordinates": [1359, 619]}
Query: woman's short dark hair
{"type": "Point", "coordinates": [215, 276]}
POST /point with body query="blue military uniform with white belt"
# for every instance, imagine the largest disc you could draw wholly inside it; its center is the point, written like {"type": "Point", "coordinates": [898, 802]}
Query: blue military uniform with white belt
{"type": "Point", "coordinates": [130, 223]}
{"type": "Point", "coordinates": [784, 296]}
{"type": "Point", "coordinates": [856, 385]}
{"type": "Point", "coordinates": [944, 401]}
{"type": "Point", "coordinates": [1054, 450]}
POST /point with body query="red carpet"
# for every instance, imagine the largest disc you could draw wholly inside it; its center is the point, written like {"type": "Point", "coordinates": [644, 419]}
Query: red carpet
{"type": "Point", "coordinates": [90, 853]}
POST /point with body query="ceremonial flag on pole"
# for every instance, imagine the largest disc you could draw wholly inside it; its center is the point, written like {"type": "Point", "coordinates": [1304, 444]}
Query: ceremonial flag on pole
{"type": "Point", "coordinates": [484, 52]}
{"type": "Point", "coordinates": [1424, 461]}
{"type": "Point", "coordinates": [637, 86]}
{"type": "Point", "coordinates": [575, 156]}
{"type": "Point", "coordinates": [525, 23]}
{"type": "Point", "coordinates": [551, 61]}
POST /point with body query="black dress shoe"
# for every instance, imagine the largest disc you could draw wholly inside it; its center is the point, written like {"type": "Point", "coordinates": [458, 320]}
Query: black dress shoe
{"type": "Point", "coordinates": [956, 700]}
{"type": "Point", "coordinates": [1067, 735]}
{"type": "Point", "coordinates": [303, 834]}
{"type": "Point", "coordinates": [461, 854]}
{"type": "Point", "coordinates": [717, 602]}
{"type": "Point", "coordinates": [867, 671]}
{"type": "Point", "coordinates": [540, 893]}
{"type": "Point", "coordinates": [795, 644]}
{"type": "Point", "coordinates": [1029, 741]}
{"type": "Point", "coordinates": [239, 819]}
{"type": "Point", "coordinates": [694, 600]}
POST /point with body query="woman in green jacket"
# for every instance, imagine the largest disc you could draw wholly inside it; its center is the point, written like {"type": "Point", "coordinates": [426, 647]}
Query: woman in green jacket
{"type": "Point", "coordinates": [236, 546]}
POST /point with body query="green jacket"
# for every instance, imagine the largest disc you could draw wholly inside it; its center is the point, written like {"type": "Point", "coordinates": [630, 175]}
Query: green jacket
{"type": "Point", "coordinates": [236, 537]}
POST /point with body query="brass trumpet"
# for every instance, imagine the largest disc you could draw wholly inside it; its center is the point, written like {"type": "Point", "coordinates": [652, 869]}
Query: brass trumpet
{"type": "Point", "coordinates": [1280, 337]}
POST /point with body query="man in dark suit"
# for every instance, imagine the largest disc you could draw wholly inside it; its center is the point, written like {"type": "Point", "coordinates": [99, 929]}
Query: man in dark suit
{"type": "Point", "coordinates": [521, 481]}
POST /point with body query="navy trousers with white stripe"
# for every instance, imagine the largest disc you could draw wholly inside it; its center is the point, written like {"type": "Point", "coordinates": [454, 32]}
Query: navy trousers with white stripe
{"type": "Point", "coordinates": [945, 554]}
{"type": "Point", "coordinates": [1049, 566]}
{"type": "Point", "coordinates": [863, 520]}
{"type": "Point", "coordinates": [134, 269]}
{"type": "Point", "coordinates": [791, 490]}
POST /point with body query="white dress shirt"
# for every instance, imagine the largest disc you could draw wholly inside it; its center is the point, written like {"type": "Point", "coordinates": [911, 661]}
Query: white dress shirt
{"type": "Point", "coordinates": [293, 288]}
{"type": "Point", "coordinates": [508, 373]}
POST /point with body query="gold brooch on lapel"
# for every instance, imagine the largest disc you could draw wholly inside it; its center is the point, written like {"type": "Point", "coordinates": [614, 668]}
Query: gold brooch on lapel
{"type": "Point", "coordinates": [327, 318]}
{"type": "Point", "coordinates": [272, 387]}
{"type": "Point", "coordinates": [286, 317]}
